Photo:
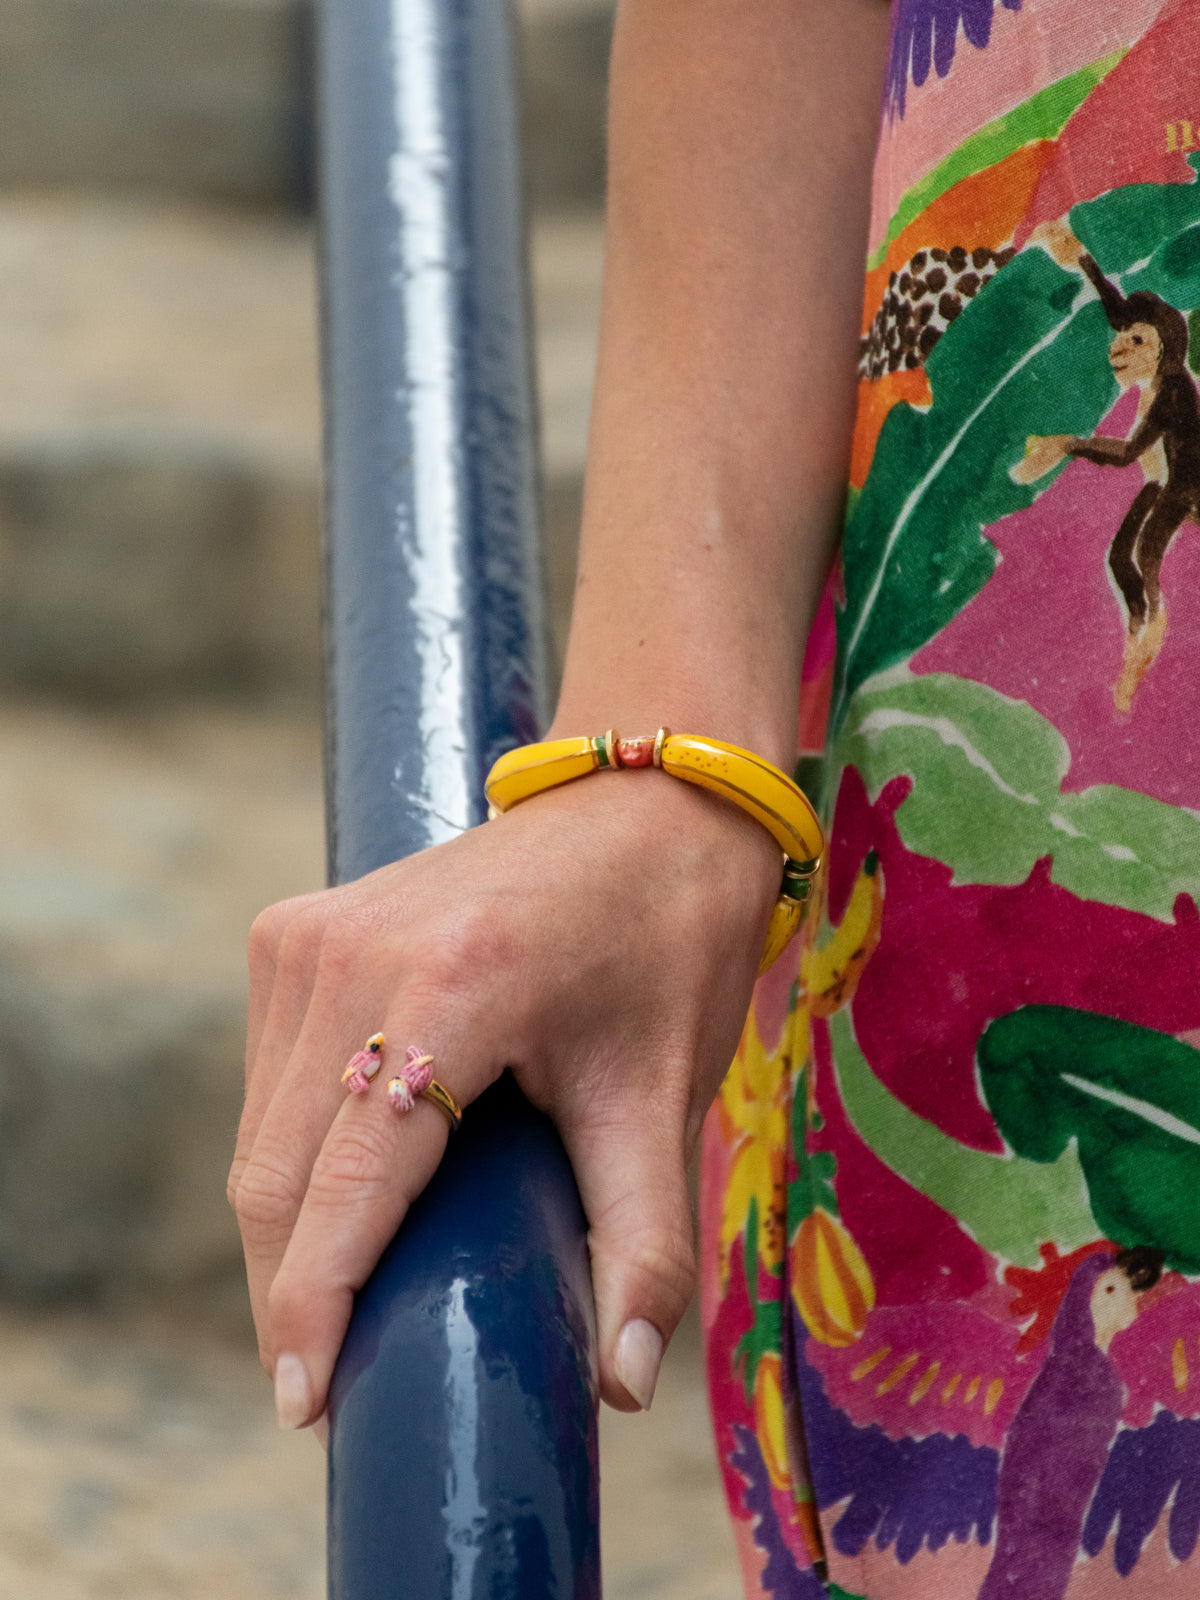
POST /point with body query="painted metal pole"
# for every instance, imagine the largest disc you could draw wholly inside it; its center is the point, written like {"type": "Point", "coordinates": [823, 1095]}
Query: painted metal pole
{"type": "Point", "coordinates": [462, 1460]}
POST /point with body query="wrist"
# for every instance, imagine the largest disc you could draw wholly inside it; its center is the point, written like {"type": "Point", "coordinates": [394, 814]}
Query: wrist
{"type": "Point", "coordinates": [687, 644]}
{"type": "Point", "coordinates": [743, 786]}
{"type": "Point", "coordinates": [700, 835]}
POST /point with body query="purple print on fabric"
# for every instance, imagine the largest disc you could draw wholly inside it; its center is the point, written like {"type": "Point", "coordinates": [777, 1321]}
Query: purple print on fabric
{"type": "Point", "coordinates": [781, 1577]}
{"type": "Point", "coordinates": [927, 30]}
{"type": "Point", "coordinates": [1147, 1466]}
{"type": "Point", "coordinates": [1058, 1456]}
{"type": "Point", "coordinates": [907, 1492]}
{"type": "Point", "coordinates": [1055, 1452]}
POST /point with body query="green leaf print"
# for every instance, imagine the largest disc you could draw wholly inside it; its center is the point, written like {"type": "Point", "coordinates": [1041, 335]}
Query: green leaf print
{"type": "Point", "coordinates": [987, 800]}
{"type": "Point", "coordinates": [1019, 360]}
{"type": "Point", "coordinates": [1141, 220]}
{"type": "Point", "coordinates": [1010, 1204]}
{"type": "Point", "coordinates": [764, 1337]}
{"type": "Point", "coordinates": [813, 1186]}
{"type": "Point", "coordinates": [1127, 1097]}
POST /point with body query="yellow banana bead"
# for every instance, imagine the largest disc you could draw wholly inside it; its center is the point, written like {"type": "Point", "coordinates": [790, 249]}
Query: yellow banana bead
{"type": "Point", "coordinates": [786, 915]}
{"type": "Point", "coordinates": [522, 773]}
{"type": "Point", "coordinates": [760, 789]}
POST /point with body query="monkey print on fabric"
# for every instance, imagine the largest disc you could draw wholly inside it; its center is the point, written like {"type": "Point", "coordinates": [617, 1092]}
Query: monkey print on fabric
{"type": "Point", "coordinates": [951, 1190]}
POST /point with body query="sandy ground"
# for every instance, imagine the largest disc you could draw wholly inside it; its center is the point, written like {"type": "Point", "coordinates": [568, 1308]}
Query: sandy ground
{"type": "Point", "coordinates": [141, 1461]}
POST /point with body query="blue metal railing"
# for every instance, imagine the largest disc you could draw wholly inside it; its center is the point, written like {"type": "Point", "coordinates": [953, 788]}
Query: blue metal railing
{"type": "Point", "coordinates": [462, 1458]}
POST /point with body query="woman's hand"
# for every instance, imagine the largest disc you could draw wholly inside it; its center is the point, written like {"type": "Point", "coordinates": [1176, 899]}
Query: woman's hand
{"type": "Point", "coordinates": [600, 940]}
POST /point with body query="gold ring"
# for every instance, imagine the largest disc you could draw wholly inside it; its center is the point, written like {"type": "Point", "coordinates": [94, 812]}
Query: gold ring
{"type": "Point", "coordinates": [437, 1094]}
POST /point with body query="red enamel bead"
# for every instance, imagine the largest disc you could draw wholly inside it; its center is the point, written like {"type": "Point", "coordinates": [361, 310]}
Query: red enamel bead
{"type": "Point", "coordinates": [635, 752]}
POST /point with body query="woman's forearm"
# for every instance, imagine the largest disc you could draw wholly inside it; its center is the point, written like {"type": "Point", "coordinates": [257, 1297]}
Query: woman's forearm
{"type": "Point", "coordinates": [741, 141]}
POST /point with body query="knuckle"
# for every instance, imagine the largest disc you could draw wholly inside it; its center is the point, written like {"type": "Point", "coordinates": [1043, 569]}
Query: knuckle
{"type": "Point", "coordinates": [669, 1261]}
{"type": "Point", "coordinates": [355, 1160]}
{"type": "Point", "coordinates": [662, 1260]}
{"type": "Point", "coordinates": [341, 952]}
{"type": "Point", "coordinates": [265, 933]}
{"type": "Point", "coordinates": [306, 932]}
{"type": "Point", "coordinates": [269, 926]}
{"type": "Point", "coordinates": [455, 955]}
{"type": "Point", "coordinates": [285, 1302]}
{"type": "Point", "coordinates": [283, 929]}
{"type": "Point", "coordinates": [265, 1200]}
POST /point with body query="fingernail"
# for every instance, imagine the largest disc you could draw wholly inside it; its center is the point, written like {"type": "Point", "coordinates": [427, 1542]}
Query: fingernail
{"type": "Point", "coordinates": [637, 1358]}
{"type": "Point", "coordinates": [293, 1397]}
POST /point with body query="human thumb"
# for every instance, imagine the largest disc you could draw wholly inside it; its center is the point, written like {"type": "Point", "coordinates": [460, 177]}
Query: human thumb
{"type": "Point", "coordinates": [634, 1190]}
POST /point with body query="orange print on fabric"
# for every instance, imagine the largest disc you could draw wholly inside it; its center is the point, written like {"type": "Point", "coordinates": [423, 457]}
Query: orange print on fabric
{"type": "Point", "coordinates": [875, 399]}
{"type": "Point", "coordinates": [984, 209]}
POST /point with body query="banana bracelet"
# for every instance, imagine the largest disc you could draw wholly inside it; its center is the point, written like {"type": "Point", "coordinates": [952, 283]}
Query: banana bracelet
{"type": "Point", "coordinates": [749, 782]}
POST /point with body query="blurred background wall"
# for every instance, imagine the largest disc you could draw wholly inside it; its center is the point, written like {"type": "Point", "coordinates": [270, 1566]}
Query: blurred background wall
{"type": "Point", "coordinates": [159, 765]}
{"type": "Point", "coordinates": [159, 651]}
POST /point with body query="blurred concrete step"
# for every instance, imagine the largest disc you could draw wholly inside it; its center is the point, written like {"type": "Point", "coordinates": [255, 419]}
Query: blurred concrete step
{"type": "Point", "coordinates": [158, 449]}
{"type": "Point", "coordinates": [206, 98]}
{"type": "Point", "coordinates": [136, 851]}
{"type": "Point", "coordinates": [566, 256]}
{"type": "Point", "coordinates": [159, 441]}
{"type": "Point", "coordinates": [211, 99]}
{"type": "Point", "coordinates": [564, 77]}
{"type": "Point", "coordinates": [144, 563]}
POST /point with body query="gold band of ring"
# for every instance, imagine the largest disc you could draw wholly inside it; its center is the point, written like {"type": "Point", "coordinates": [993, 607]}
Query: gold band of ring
{"type": "Point", "coordinates": [437, 1094]}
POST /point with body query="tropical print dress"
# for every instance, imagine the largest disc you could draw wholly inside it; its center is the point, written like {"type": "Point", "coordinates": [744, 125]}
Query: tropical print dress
{"type": "Point", "coordinates": [951, 1199]}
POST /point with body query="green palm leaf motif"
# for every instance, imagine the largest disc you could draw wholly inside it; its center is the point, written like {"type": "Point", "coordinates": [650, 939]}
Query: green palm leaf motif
{"type": "Point", "coordinates": [1025, 357]}
{"type": "Point", "coordinates": [1008, 1202]}
{"type": "Point", "coordinates": [989, 804]}
{"type": "Point", "coordinates": [1126, 1098]}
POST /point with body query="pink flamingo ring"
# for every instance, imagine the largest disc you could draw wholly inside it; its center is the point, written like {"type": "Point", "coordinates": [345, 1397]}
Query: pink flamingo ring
{"type": "Point", "coordinates": [414, 1081]}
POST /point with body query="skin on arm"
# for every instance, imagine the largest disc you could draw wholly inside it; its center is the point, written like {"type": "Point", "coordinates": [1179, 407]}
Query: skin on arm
{"type": "Point", "coordinates": [740, 151]}
{"type": "Point", "coordinates": [742, 134]}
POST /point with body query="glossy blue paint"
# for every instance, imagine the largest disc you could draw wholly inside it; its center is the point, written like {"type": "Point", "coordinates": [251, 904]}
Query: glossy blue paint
{"type": "Point", "coordinates": [463, 1437]}
{"type": "Point", "coordinates": [462, 1448]}
{"type": "Point", "coordinates": [435, 630]}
